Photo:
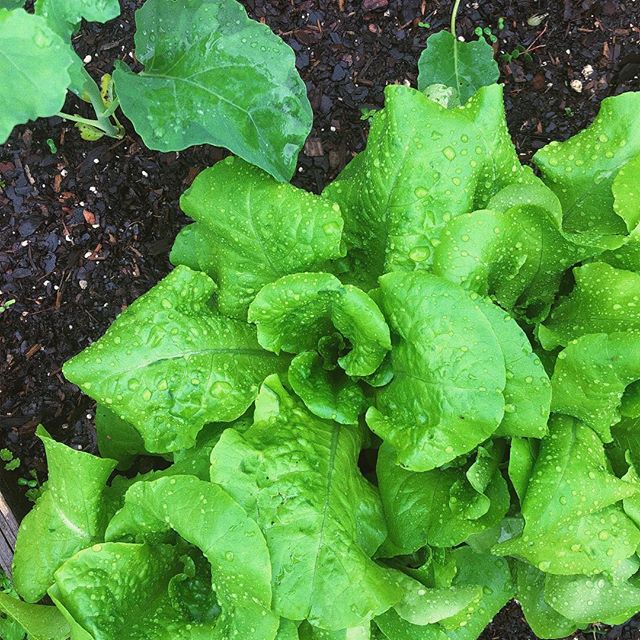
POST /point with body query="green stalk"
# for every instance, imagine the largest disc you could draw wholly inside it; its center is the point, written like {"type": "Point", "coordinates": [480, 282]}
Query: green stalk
{"type": "Point", "coordinates": [454, 15]}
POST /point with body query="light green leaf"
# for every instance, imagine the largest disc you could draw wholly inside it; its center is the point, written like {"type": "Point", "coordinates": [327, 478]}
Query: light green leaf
{"type": "Point", "coordinates": [328, 394]}
{"type": "Point", "coordinates": [464, 66]}
{"type": "Point", "coordinates": [34, 74]}
{"type": "Point", "coordinates": [288, 630]}
{"type": "Point", "coordinates": [397, 196]}
{"type": "Point", "coordinates": [308, 632]}
{"type": "Point", "coordinates": [214, 76]}
{"type": "Point", "coordinates": [394, 627]}
{"type": "Point", "coordinates": [449, 372]}
{"type": "Point", "coordinates": [418, 505]}
{"type": "Point", "coordinates": [591, 376]}
{"type": "Point", "coordinates": [625, 189]}
{"type": "Point", "coordinates": [296, 311]}
{"type": "Point", "coordinates": [514, 252]}
{"type": "Point", "coordinates": [604, 300]}
{"type": "Point", "coordinates": [522, 458]}
{"type": "Point", "coordinates": [117, 439]}
{"type": "Point", "coordinates": [587, 600]}
{"type": "Point", "coordinates": [572, 522]}
{"type": "Point", "coordinates": [41, 622]}
{"type": "Point", "coordinates": [64, 16]}
{"type": "Point", "coordinates": [582, 171]}
{"type": "Point", "coordinates": [168, 364]}
{"type": "Point", "coordinates": [69, 516]}
{"type": "Point", "coordinates": [544, 621]}
{"type": "Point", "coordinates": [291, 471]}
{"type": "Point", "coordinates": [627, 256]}
{"type": "Point", "coordinates": [239, 214]}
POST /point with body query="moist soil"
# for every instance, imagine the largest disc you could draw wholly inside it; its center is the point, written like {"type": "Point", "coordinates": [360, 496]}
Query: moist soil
{"type": "Point", "coordinates": [85, 227]}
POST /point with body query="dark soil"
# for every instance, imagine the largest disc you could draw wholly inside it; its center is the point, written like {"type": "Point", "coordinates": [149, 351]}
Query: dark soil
{"type": "Point", "coordinates": [86, 229]}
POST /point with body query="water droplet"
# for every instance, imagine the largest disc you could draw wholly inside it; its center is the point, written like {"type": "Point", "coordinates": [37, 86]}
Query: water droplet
{"type": "Point", "coordinates": [449, 153]}
{"type": "Point", "coordinates": [419, 254]}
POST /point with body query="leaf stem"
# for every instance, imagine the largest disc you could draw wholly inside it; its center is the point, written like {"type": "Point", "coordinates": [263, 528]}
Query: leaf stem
{"type": "Point", "coordinates": [110, 131]}
{"type": "Point", "coordinates": [454, 16]}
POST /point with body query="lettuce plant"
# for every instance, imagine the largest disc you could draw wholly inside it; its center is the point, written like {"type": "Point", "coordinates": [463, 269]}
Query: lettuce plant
{"type": "Point", "coordinates": [211, 75]}
{"type": "Point", "coordinates": [381, 412]}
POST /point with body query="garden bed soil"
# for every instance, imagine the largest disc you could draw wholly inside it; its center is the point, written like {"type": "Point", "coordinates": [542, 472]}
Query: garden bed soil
{"type": "Point", "coordinates": [85, 227]}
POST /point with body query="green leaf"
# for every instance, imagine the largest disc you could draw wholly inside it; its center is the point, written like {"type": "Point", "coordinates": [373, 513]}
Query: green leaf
{"type": "Point", "coordinates": [582, 171]}
{"type": "Point", "coordinates": [604, 300]}
{"type": "Point", "coordinates": [11, 4]}
{"type": "Point", "coordinates": [449, 372]}
{"type": "Point", "coordinates": [238, 212]}
{"type": "Point", "coordinates": [625, 189]}
{"type": "Point", "coordinates": [544, 621]}
{"type": "Point", "coordinates": [291, 471]}
{"type": "Point", "coordinates": [70, 516]}
{"type": "Point", "coordinates": [522, 458]}
{"type": "Point", "coordinates": [40, 622]}
{"type": "Point", "coordinates": [419, 508]}
{"type": "Point", "coordinates": [397, 196]}
{"type": "Point", "coordinates": [168, 364]}
{"type": "Point", "coordinates": [64, 16]}
{"type": "Point", "coordinates": [327, 394]}
{"type": "Point", "coordinates": [214, 76]}
{"type": "Point", "coordinates": [585, 599]}
{"type": "Point", "coordinates": [572, 522]}
{"type": "Point", "coordinates": [591, 376]}
{"type": "Point", "coordinates": [515, 252]}
{"type": "Point", "coordinates": [296, 311]}
{"type": "Point", "coordinates": [464, 66]}
{"type": "Point", "coordinates": [394, 627]}
{"type": "Point", "coordinates": [34, 75]}
{"type": "Point", "coordinates": [117, 439]}
{"type": "Point", "coordinates": [308, 632]}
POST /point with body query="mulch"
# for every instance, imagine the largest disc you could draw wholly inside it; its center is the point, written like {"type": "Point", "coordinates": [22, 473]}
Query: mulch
{"type": "Point", "coordinates": [85, 227]}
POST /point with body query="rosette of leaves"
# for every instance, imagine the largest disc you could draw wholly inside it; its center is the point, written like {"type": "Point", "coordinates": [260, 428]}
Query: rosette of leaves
{"type": "Point", "coordinates": [211, 76]}
{"type": "Point", "coordinates": [381, 412]}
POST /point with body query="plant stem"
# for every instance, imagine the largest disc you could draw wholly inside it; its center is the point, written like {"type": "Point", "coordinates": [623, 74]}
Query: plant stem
{"type": "Point", "coordinates": [111, 132]}
{"type": "Point", "coordinates": [454, 15]}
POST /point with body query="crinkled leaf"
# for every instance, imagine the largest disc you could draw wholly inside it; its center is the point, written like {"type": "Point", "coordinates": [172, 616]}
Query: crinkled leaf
{"type": "Point", "coordinates": [582, 171]}
{"type": "Point", "coordinates": [398, 194]}
{"type": "Point", "coordinates": [604, 300]}
{"type": "Point", "coordinates": [34, 73]}
{"type": "Point", "coordinates": [591, 376]}
{"type": "Point", "coordinates": [544, 620]}
{"type": "Point", "coordinates": [168, 364]}
{"type": "Point", "coordinates": [292, 471]}
{"type": "Point", "coordinates": [69, 516]}
{"type": "Point", "coordinates": [296, 311]}
{"type": "Point", "coordinates": [418, 505]}
{"type": "Point", "coordinates": [251, 230]}
{"type": "Point", "coordinates": [592, 599]}
{"type": "Point", "coordinates": [214, 76]}
{"type": "Point", "coordinates": [513, 251]}
{"type": "Point", "coordinates": [40, 622]}
{"type": "Point", "coordinates": [449, 372]}
{"type": "Point", "coordinates": [570, 505]}
{"type": "Point", "coordinates": [328, 394]}
{"type": "Point", "coordinates": [464, 66]}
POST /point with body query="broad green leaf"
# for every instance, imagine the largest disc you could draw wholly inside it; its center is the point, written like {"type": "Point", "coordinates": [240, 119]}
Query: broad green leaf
{"type": "Point", "coordinates": [40, 622]}
{"type": "Point", "coordinates": [288, 630]}
{"type": "Point", "coordinates": [397, 196]}
{"type": "Point", "coordinates": [296, 311]}
{"type": "Point", "coordinates": [69, 516]}
{"type": "Point", "coordinates": [522, 458]}
{"type": "Point", "coordinates": [292, 472]}
{"type": "Point", "coordinates": [627, 256]}
{"type": "Point", "coordinates": [214, 76]}
{"type": "Point", "coordinates": [169, 364]}
{"type": "Point", "coordinates": [117, 439]}
{"type": "Point", "coordinates": [393, 627]}
{"type": "Point", "coordinates": [11, 4]}
{"type": "Point", "coordinates": [464, 66]}
{"type": "Point", "coordinates": [308, 632]}
{"type": "Point", "coordinates": [625, 193]}
{"type": "Point", "coordinates": [419, 509]}
{"type": "Point", "coordinates": [582, 171]}
{"type": "Point", "coordinates": [544, 621]}
{"type": "Point", "coordinates": [572, 522]}
{"type": "Point", "coordinates": [514, 251]}
{"type": "Point", "coordinates": [34, 73]}
{"type": "Point", "coordinates": [242, 237]}
{"type": "Point", "coordinates": [604, 300]}
{"type": "Point", "coordinates": [328, 394]}
{"type": "Point", "coordinates": [591, 376]}
{"type": "Point", "coordinates": [229, 539]}
{"type": "Point", "coordinates": [64, 16]}
{"type": "Point", "coordinates": [590, 599]}
{"type": "Point", "coordinates": [449, 372]}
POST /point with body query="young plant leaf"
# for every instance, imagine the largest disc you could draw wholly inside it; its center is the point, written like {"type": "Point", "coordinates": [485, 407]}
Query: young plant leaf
{"type": "Point", "coordinates": [40, 622]}
{"type": "Point", "coordinates": [34, 75]}
{"type": "Point", "coordinates": [64, 16]}
{"type": "Point", "coordinates": [213, 76]}
{"type": "Point", "coordinates": [169, 364]}
{"type": "Point", "coordinates": [463, 66]}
